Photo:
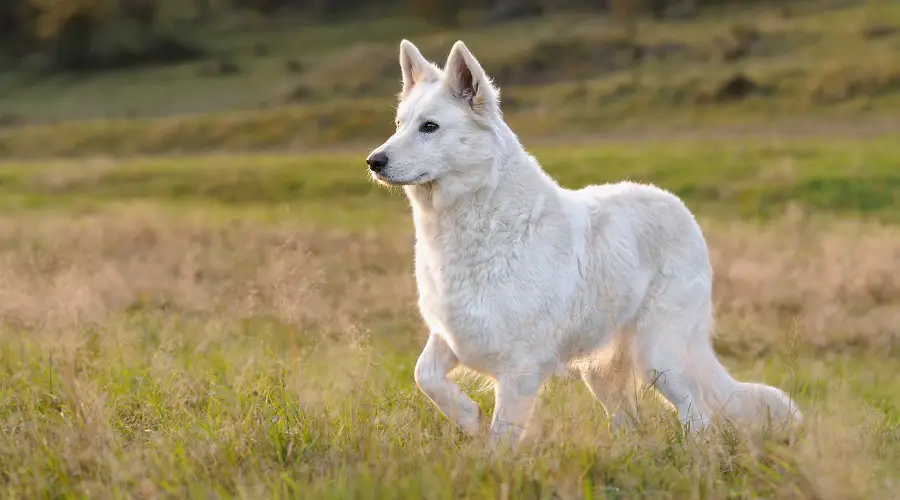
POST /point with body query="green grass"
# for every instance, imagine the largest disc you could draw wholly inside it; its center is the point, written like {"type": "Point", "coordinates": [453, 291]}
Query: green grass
{"type": "Point", "coordinates": [173, 416]}
{"type": "Point", "coordinates": [743, 178]}
{"type": "Point", "coordinates": [245, 326]}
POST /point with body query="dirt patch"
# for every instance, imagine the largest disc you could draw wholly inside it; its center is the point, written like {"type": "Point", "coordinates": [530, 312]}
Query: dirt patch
{"type": "Point", "coordinates": [300, 93]}
{"type": "Point", "coordinates": [11, 120]}
{"type": "Point", "coordinates": [294, 66]}
{"type": "Point", "coordinates": [220, 67]}
{"type": "Point", "coordinates": [736, 88]}
{"type": "Point", "coordinates": [877, 31]}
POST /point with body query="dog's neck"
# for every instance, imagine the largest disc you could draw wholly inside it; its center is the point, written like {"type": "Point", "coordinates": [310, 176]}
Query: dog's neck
{"type": "Point", "coordinates": [515, 178]}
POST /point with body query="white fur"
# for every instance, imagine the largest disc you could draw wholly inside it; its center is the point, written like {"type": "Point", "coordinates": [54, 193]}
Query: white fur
{"type": "Point", "coordinates": [520, 279]}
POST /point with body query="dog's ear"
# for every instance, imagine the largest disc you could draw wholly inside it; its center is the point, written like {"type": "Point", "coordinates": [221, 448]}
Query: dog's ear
{"type": "Point", "coordinates": [415, 68]}
{"type": "Point", "coordinates": [468, 81]}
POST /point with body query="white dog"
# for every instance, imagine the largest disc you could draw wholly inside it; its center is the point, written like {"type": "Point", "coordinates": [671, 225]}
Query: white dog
{"type": "Point", "coordinates": [520, 279]}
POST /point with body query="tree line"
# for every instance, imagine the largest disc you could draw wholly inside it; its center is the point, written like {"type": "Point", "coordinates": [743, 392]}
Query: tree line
{"type": "Point", "coordinates": [99, 34]}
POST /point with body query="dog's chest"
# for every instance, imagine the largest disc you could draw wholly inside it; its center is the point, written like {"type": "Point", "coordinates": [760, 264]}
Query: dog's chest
{"type": "Point", "coordinates": [483, 299]}
{"type": "Point", "coordinates": [473, 288]}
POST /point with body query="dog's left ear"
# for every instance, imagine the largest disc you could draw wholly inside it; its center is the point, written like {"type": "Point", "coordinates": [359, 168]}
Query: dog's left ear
{"type": "Point", "coordinates": [468, 81]}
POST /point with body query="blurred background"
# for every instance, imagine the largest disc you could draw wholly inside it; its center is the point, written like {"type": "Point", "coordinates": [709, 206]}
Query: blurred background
{"type": "Point", "coordinates": [203, 294]}
{"type": "Point", "coordinates": [318, 73]}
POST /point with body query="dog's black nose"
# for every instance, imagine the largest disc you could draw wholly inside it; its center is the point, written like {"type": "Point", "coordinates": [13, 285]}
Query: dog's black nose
{"type": "Point", "coordinates": [377, 161]}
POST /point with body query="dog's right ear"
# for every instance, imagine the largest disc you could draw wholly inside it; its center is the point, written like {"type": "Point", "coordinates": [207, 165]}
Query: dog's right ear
{"type": "Point", "coordinates": [415, 68]}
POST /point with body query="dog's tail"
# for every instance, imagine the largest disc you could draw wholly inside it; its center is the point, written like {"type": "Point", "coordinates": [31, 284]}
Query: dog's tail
{"type": "Point", "coordinates": [743, 402]}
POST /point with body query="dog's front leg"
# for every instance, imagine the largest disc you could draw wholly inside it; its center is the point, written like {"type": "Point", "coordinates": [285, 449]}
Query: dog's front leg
{"type": "Point", "coordinates": [516, 395]}
{"type": "Point", "coordinates": [432, 368]}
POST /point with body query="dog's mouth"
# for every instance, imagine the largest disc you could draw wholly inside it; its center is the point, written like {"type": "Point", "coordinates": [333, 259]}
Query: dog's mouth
{"type": "Point", "coordinates": [419, 179]}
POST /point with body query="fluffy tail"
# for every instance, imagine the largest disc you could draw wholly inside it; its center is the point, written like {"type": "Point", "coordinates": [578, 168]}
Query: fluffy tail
{"type": "Point", "coordinates": [744, 402]}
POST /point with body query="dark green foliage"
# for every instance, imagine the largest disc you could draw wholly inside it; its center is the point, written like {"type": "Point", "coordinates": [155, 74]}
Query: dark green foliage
{"type": "Point", "coordinates": [16, 34]}
{"type": "Point", "coordinates": [98, 35]}
{"type": "Point", "coordinates": [86, 35]}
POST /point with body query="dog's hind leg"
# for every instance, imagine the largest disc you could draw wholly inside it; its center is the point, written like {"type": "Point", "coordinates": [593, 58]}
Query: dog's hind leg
{"type": "Point", "coordinates": [432, 368]}
{"type": "Point", "coordinates": [672, 350]}
{"type": "Point", "coordinates": [612, 382]}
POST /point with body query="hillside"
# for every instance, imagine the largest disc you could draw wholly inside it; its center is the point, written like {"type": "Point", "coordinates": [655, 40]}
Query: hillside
{"type": "Point", "coordinates": [288, 83]}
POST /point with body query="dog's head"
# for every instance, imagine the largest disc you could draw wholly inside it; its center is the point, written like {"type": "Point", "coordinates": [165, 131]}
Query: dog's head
{"type": "Point", "coordinates": [445, 121]}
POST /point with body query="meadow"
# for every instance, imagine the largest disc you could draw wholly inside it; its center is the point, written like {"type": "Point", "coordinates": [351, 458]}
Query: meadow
{"type": "Point", "coordinates": [246, 326]}
{"type": "Point", "coordinates": [203, 295]}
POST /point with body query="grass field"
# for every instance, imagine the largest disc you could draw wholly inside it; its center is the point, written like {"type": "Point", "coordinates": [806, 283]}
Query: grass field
{"type": "Point", "coordinates": [202, 295]}
{"type": "Point", "coordinates": [245, 326]}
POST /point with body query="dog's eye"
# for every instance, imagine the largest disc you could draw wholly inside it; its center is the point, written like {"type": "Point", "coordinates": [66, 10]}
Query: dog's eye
{"type": "Point", "coordinates": [428, 127]}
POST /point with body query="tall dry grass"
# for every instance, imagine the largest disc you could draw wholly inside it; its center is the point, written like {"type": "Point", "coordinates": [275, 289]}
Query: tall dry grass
{"type": "Point", "coordinates": [155, 355]}
{"type": "Point", "coordinates": [822, 283]}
